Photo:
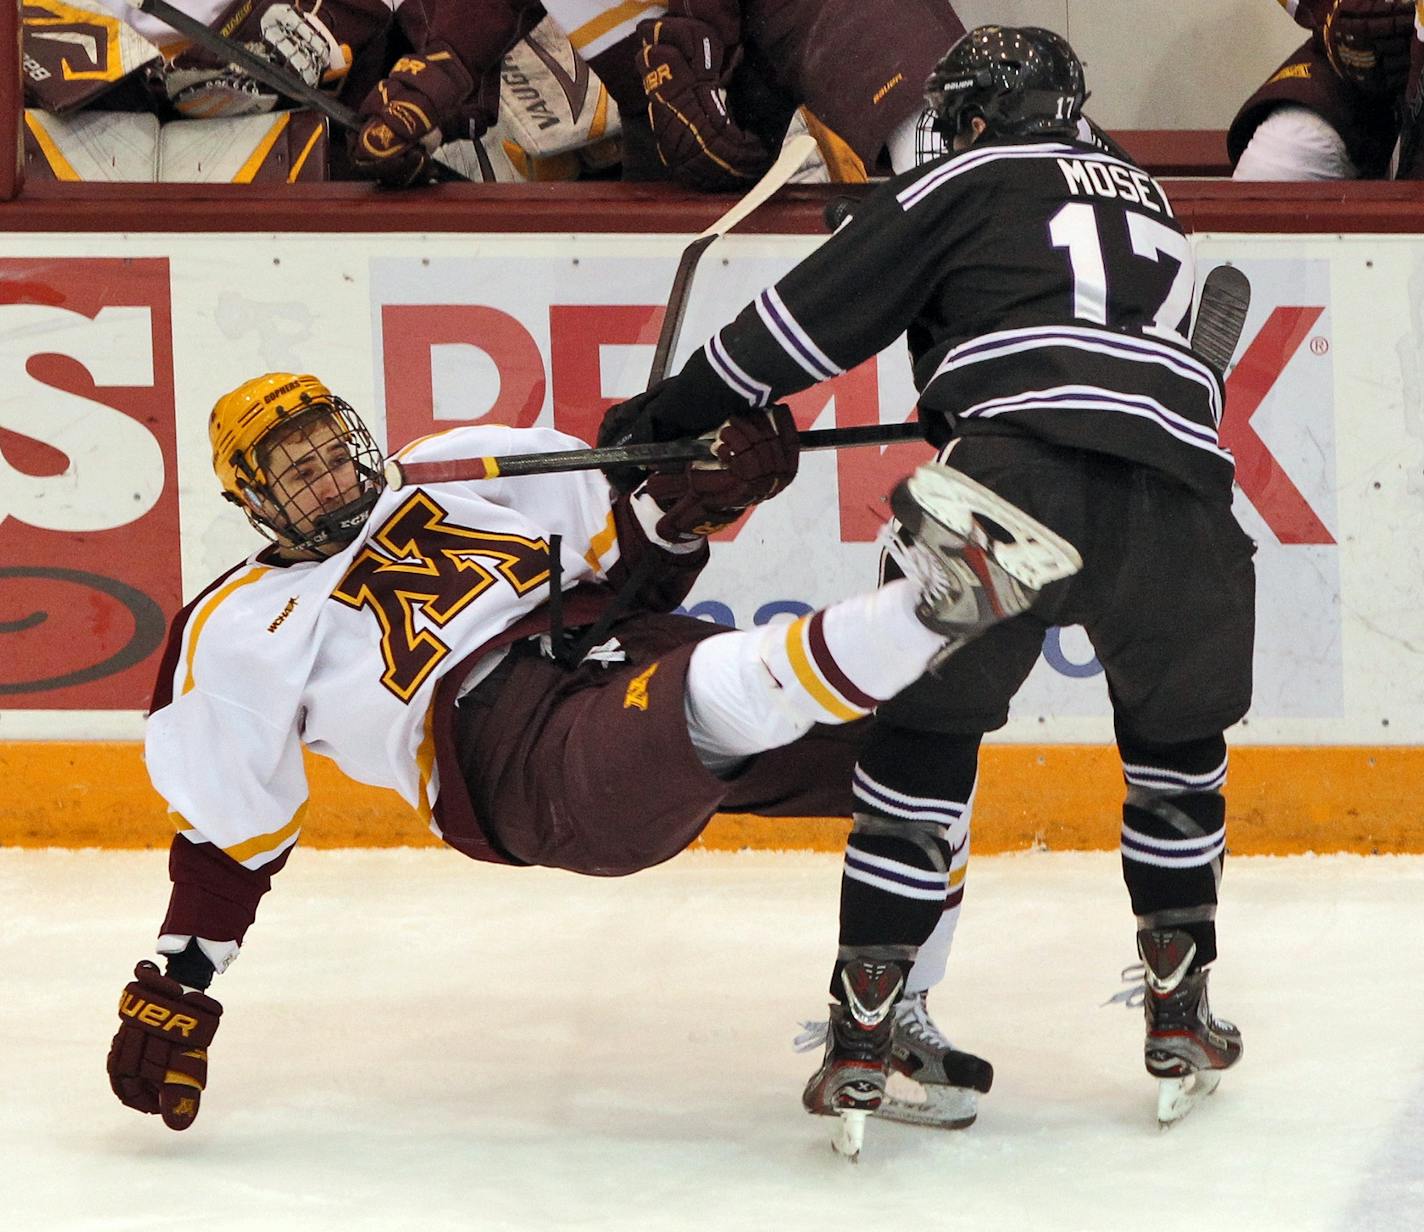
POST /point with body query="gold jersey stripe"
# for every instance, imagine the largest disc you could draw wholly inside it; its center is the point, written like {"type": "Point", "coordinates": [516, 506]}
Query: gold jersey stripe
{"type": "Point", "coordinates": [419, 440]}
{"type": "Point", "coordinates": [261, 844]}
{"type": "Point", "coordinates": [207, 610]}
{"type": "Point", "coordinates": [614, 17]}
{"type": "Point", "coordinates": [810, 678]}
{"type": "Point", "coordinates": [425, 761]}
{"type": "Point", "coordinates": [264, 148]}
{"type": "Point", "coordinates": [601, 542]}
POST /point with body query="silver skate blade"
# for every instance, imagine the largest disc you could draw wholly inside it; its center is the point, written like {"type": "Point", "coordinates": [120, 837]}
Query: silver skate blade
{"type": "Point", "coordinates": [932, 1104]}
{"type": "Point", "coordinates": [1035, 557]}
{"type": "Point", "coordinates": [1178, 1096]}
{"type": "Point", "coordinates": [849, 1134]}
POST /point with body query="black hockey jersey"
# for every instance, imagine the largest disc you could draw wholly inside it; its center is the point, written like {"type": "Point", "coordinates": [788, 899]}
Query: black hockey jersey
{"type": "Point", "coordinates": [1044, 287]}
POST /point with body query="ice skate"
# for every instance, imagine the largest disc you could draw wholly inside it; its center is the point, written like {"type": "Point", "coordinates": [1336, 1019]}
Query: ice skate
{"type": "Point", "coordinates": [931, 1082]}
{"type": "Point", "coordinates": [978, 558]}
{"type": "Point", "coordinates": [851, 1081]}
{"type": "Point", "coordinates": [1186, 1048]}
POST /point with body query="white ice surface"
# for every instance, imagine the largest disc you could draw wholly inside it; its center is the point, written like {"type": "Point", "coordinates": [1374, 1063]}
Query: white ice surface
{"type": "Point", "coordinates": [416, 1041]}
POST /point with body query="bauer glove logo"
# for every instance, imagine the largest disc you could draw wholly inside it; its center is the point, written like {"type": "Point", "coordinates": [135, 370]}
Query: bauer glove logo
{"type": "Point", "coordinates": [155, 1015]}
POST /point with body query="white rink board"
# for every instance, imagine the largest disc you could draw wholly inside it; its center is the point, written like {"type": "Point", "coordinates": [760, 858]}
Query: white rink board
{"type": "Point", "coordinates": [1340, 423]}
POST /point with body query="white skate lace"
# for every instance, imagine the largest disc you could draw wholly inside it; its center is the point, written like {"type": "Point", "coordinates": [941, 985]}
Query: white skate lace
{"type": "Point", "coordinates": [1135, 977]}
{"type": "Point", "coordinates": [813, 1036]}
{"type": "Point", "coordinates": [912, 1016]}
{"type": "Point", "coordinates": [927, 572]}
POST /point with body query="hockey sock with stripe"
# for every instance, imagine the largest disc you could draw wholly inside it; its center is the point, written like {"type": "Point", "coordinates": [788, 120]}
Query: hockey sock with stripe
{"type": "Point", "coordinates": [925, 777]}
{"type": "Point", "coordinates": [760, 689]}
{"type": "Point", "coordinates": [1174, 837]}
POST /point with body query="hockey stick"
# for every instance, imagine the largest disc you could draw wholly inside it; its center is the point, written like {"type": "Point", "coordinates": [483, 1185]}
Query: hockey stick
{"type": "Point", "coordinates": [654, 455]}
{"type": "Point", "coordinates": [662, 453]}
{"type": "Point", "coordinates": [1221, 315]}
{"type": "Point", "coordinates": [793, 154]}
{"type": "Point", "coordinates": [274, 76]}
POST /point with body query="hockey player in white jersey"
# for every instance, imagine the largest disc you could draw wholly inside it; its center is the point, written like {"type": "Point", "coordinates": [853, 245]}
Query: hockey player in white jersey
{"type": "Point", "coordinates": [460, 644]}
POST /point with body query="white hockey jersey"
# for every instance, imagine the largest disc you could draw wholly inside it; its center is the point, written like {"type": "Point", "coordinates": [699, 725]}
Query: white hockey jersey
{"type": "Point", "coordinates": [343, 655]}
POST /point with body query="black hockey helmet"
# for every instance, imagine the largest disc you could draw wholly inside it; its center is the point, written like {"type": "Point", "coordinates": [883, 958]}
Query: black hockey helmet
{"type": "Point", "coordinates": [1021, 81]}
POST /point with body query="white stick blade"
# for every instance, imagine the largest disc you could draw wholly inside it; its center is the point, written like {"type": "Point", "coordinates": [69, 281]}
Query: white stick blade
{"type": "Point", "coordinates": [793, 154]}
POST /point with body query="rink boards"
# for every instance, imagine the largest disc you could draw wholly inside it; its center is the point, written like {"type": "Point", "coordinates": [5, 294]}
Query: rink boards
{"type": "Point", "coordinates": [115, 346]}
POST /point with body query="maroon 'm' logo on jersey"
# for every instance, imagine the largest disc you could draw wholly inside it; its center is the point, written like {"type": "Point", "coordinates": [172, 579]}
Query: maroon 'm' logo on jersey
{"type": "Point", "coordinates": [418, 569]}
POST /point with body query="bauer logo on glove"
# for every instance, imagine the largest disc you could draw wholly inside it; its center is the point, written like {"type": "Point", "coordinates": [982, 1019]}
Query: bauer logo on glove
{"type": "Point", "coordinates": [403, 117]}
{"type": "Point", "coordinates": [685, 66]}
{"type": "Point", "coordinates": [158, 1062]}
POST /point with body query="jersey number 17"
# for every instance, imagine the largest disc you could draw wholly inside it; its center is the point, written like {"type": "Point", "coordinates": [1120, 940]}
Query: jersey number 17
{"type": "Point", "coordinates": [1076, 228]}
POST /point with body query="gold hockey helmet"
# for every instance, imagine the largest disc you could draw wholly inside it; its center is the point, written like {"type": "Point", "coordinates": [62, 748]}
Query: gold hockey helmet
{"type": "Point", "coordinates": [247, 424]}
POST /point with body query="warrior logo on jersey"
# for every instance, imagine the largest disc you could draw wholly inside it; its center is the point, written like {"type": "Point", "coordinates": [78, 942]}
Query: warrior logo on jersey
{"type": "Point", "coordinates": [418, 570]}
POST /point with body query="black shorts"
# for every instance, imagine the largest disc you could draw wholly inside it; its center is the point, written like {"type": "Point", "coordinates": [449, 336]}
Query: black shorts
{"type": "Point", "coordinates": [593, 770]}
{"type": "Point", "coordinates": [1166, 595]}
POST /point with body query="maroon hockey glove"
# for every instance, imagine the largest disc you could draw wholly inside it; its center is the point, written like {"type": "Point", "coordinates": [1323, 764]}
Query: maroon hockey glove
{"type": "Point", "coordinates": [684, 65]}
{"type": "Point", "coordinates": [756, 455]}
{"type": "Point", "coordinates": [1368, 41]}
{"type": "Point", "coordinates": [403, 117]}
{"type": "Point", "coordinates": [158, 1062]}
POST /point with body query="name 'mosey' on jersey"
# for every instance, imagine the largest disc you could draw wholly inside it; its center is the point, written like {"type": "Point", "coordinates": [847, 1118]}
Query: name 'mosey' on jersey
{"type": "Point", "coordinates": [1044, 287]}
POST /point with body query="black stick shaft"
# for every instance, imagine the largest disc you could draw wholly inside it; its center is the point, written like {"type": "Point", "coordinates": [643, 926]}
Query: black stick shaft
{"type": "Point", "coordinates": [272, 75]}
{"type": "Point", "coordinates": [656, 454]}
{"type": "Point", "coordinates": [677, 306]}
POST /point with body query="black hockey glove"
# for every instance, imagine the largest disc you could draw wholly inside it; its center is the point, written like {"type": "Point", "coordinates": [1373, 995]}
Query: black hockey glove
{"type": "Point", "coordinates": [627, 423]}
{"type": "Point", "coordinates": [647, 417]}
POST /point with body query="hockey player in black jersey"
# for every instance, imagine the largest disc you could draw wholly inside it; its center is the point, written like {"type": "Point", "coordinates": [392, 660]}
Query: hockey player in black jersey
{"type": "Point", "coordinates": [1044, 288]}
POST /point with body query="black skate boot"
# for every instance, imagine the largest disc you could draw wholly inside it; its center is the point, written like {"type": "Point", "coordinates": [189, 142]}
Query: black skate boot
{"type": "Point", "coordinates": [977, 557]}
{"type": "Point", "coordinates": [938, 1084]}
{"type": "Point", "coordinates": [851, 1081]}
{"type": "Point", "coordinates": [1186, 1047]}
